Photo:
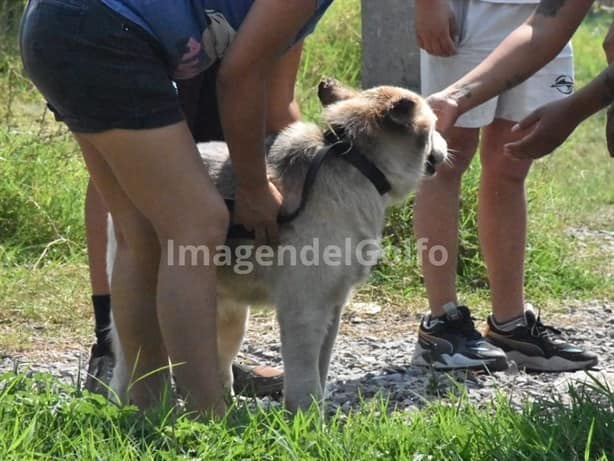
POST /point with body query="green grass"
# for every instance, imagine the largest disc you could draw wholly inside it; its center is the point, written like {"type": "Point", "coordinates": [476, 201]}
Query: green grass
{"type": "Point", "coordinates": [42, 185]}
{"type": "Point", "coordinates": [44, 297]}
{"type": "Point", "coordinates": [42, 419]}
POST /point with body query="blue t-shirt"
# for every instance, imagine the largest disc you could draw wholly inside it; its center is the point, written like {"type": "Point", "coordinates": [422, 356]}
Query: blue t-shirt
{"type": "Point", "coordinates": [194, 34]}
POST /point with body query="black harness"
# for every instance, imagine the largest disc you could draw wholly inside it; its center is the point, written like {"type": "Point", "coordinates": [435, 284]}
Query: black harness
{"type": "Point", "coordinates": [338, 144]}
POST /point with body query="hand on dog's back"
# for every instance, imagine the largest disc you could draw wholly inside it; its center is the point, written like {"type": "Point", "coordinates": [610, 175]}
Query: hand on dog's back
{"type": "Point", "coordinates": [257, 208]}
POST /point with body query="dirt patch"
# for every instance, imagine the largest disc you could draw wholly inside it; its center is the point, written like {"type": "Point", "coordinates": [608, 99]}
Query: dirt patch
{"type": "Point", "coordinates": [373, 355]}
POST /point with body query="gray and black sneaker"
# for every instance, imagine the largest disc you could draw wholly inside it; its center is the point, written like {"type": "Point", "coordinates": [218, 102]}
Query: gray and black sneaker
{"type": "Point", "coordinates": [452, 342]}
{"type": "Point", "coordinates": [100, 368]}
{"type": "Point", "coordinates": [538, 347]}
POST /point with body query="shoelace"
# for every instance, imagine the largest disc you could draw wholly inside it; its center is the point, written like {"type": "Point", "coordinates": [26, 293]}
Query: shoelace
{"type": "Point", "coordinates": [465, 324]}
{"type": "Point", "coordinates": [538, 329]}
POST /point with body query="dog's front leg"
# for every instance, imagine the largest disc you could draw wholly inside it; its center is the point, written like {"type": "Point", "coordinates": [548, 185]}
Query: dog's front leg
{"type": "Point", "coordinates": [327, 346]}
{"type": "Point", "coordinates": [302, 334]}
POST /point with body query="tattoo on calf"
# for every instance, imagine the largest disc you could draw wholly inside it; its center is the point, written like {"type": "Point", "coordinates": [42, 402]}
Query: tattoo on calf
{"type": "Point", "coordinates": [550, 8]}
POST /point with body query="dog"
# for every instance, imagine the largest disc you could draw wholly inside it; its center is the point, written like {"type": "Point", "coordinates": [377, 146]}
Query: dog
{"type": "Point", "coordinates": [339, 205]}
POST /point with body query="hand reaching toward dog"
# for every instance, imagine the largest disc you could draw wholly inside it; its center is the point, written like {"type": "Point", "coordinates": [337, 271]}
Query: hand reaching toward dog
{"type": "Point", "coordinates": [545, 130]}
{"type": "Point", "coordinates": [435, 27]}
{"type": "Point", "coordinates": [446, 109]}
{"type": "Point", "coordinates": [257, 208]}
{"type": "Point", "coordinates": [547, 127]}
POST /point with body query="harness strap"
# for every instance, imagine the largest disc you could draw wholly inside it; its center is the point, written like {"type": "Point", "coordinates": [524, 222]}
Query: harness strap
{"type": "Point", "coordinates": [339, 145]}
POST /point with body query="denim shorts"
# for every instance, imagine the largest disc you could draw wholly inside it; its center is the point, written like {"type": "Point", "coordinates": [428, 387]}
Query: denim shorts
{"type": "Point", "coordinates": [97, 70]}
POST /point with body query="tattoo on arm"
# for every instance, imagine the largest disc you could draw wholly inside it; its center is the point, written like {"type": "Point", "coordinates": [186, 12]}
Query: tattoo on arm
{"type": "Point", "coordinates": [462, 91]}
{"type": "Point", "coordinates": [550, 8]}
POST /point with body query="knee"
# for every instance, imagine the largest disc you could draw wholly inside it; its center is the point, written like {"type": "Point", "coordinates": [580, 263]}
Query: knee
{"type": "Point", "coordinates": [451, 173]}
{"type": "Point", "coordinates": [203, 224]}
{"type": "Point", "coordinates": [462, 144]}
{"type": "Point", "coordinates": [504, 170]}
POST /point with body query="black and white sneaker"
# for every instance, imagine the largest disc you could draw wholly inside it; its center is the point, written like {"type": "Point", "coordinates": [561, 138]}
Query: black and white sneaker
{"type": "Point", "coordinates": [100, 368]}
{"type": "Point", "coordinates": [538, 347]}
{"type": "Point", "coordinates": [452, 342]}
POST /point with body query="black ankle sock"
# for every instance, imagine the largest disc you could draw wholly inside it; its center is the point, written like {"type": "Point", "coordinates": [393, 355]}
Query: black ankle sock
{"type": "Point", "coordinates": [102, 315]}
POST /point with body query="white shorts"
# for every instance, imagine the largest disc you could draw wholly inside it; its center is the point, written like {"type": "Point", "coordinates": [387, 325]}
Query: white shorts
{"type": "Point", "coordinates": [481, 27]}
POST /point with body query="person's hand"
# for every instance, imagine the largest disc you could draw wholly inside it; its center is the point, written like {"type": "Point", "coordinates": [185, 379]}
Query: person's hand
{"type": "Point", "coordinates": [543, 131]}
{"type": "Point", "coordinates": [435, 27]}
{"type": "Point", "coordinates": [257, 208]}
{"type": "Point", "coordinates": [446, 109]}
{"type": "Point", "coordinates": [608, 45]}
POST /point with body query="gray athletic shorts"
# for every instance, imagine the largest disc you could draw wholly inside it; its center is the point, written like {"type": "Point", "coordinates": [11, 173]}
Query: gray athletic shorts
{"type": "Point", "coordinates": [481, 27]}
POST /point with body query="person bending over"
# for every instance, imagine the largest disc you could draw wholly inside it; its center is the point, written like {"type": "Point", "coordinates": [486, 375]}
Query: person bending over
{"type": "Point", "coordinates": [106, 68]}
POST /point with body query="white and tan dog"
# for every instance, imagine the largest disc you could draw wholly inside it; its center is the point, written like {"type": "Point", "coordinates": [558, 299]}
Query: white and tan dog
{"type": "Point", "coordinates": [343, 216]}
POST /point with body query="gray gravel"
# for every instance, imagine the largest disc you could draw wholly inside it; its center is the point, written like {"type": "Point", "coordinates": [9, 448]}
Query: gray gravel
{"type": "Point", "coordinates": [373, 354]}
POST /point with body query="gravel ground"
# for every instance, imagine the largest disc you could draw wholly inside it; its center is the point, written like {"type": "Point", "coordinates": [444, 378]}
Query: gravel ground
{"type": "Point", "coordinates": [373, 354]}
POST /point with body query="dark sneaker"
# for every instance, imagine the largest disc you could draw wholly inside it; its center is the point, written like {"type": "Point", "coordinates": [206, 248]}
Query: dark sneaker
{"type": "Point", "coordinates": [538, 347]}
{"type": "Point", "coordinates": [261, 381]}
{"type": "Point", "coordinates": [100, 369]}
{"type": "Point", "coordinates": [452, 342]}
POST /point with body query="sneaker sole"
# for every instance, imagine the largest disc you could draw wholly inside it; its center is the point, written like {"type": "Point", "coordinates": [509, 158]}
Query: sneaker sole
{"type": "Point", "coordinates": [457, 362]}
{"type": "Point", "coordinates": [99, 375]}
{"type": "Point", "coordinates": [537, 363]}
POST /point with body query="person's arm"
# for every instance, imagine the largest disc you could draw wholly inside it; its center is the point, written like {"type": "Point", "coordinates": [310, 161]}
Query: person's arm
{"type": "Point", "coordinates": [520, 55]}
{"type": "Point", "coordinates": [282, 108]}
{"type": "Point", "coordinates": [608, 45]}
{"type": "Point", "coordinates": [608, 48]}
{"type": "Point", "coordinates": [435, 27]}
{"type": "Point", "coordinates": [242, 87]}
{"type": "Point", "coordinates": [549, 126]}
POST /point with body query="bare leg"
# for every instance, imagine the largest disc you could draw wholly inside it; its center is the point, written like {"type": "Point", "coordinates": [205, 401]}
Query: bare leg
{"type": "Point", "coordinates": [135, 273]}
{"type": "Point", "coordinates": [96, 233]}
{"type": "Point", "coordinates": [101, 362]}
{"type": "Point", "coordinates": [502, 220]}
{"type": "Point", "coordinates": [161, 173]}
{"type": "Point", "coordinates": [436, 218]}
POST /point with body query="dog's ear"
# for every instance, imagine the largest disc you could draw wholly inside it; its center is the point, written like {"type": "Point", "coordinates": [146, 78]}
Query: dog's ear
{"type": "Point", "coordinates": [331, 91]}
{"type": "Point", "coordinates": [402, 112]}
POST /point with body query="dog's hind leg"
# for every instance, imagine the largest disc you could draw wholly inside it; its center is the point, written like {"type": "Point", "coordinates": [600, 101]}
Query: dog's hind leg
{"type": "Point", "coordinates": [231, 325]}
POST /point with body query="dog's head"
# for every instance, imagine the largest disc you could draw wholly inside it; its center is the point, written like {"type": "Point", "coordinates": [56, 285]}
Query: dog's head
{"type": "Point", "coordinates": [393, 126]}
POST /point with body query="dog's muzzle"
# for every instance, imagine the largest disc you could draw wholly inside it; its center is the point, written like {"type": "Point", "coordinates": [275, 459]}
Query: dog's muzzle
{"type": "Point", "coordinates": [430, 165]}
{"type": "Point", "coordinates": [437, 155]}
{"type": "Point", "coordinates": [433, 161]}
